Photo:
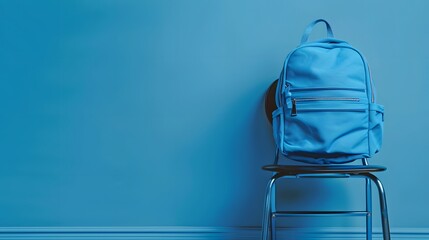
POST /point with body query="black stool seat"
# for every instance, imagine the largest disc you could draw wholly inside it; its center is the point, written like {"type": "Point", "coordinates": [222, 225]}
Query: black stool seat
{"type": "Point", "coordinates": [314, 169]}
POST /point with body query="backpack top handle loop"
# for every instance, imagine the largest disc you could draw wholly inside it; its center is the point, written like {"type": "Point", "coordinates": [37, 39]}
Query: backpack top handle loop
{"type": "Point", "coordinates": [310, 27]}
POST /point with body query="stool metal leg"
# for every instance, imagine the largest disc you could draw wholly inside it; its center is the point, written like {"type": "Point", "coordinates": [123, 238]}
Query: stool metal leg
{"type": "Point", "coordinates": [268, 212]}
{"type": "Point", "coordinates": [368, 194]}
{"type": "Point", "coordinates": [383, 205]}
{"type": "Point", "coordinates": [273, 227]}
{"type": "Point", "coordinates": [273, 210]}
{"type": "Point", "coordinates": [368, 209]}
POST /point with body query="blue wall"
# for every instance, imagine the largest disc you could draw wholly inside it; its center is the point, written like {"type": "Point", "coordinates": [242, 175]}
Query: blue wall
{"type": "Point", "coordinates": [150, 113]}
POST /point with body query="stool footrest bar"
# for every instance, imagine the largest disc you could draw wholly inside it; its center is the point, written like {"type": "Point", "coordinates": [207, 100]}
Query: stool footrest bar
{"type": "Point", "coordinates": [319, 213]}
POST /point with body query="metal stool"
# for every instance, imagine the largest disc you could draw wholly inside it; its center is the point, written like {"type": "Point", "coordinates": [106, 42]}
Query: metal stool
{"type": "Point", "coordinates": [320, 171]}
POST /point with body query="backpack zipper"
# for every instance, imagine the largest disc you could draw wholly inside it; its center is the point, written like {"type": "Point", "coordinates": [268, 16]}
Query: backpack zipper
{"type": "Point", "coordinates": [326, 89]}
{"type": "Point", "coordinates": [295, 100]}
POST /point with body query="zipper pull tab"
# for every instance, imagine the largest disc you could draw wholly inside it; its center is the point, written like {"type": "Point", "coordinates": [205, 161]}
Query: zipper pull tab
{"type": "Point", "coordinates": [293, 112]}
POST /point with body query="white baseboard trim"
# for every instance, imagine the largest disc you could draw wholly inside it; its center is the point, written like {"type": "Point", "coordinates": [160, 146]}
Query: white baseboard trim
{"type": "Point", "coordinates": [198, 233]}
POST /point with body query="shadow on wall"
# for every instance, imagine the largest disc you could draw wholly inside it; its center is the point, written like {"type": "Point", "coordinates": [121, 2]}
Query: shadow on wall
{"type": "Point", "coordinates": [232, 150]}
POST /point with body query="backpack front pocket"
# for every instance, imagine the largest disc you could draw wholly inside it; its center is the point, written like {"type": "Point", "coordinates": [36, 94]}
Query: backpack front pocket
{"type": "Point", "coordinates": [326, 127]}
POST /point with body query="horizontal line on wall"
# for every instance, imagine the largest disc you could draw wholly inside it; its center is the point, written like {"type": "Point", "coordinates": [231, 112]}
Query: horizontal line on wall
{"type": "Point", "coordinates": [177, 232]}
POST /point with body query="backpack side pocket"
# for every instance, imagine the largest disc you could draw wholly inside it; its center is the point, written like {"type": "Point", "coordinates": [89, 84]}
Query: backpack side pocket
{"type": "Point", "coordinates": [278, 127]}
{"type": "Point", "coordinates": [375, 130]}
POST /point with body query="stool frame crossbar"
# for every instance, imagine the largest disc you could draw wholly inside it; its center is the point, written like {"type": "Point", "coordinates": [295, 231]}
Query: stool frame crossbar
{"type": "Point", "coordinates": [270, 214]}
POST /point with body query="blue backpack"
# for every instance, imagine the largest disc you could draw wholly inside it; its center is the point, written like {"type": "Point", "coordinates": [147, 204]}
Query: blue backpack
{"type": "Point", "coordinates": [326, 110]}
